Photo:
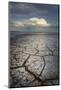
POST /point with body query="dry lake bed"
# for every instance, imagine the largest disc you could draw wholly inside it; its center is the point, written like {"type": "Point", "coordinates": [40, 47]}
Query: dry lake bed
{"type": "Point", "coordinates": [34, 60]}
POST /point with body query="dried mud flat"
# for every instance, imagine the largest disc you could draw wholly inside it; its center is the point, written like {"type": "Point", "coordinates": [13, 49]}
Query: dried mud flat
{"type": "Point", "coordinates": [34, 61]}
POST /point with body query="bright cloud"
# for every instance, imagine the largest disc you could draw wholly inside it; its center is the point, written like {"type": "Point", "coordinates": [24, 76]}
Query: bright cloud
{"type": "Point", "coordinates": [18, 24]}
{"type": "Point", "coordinates": [41, 22]}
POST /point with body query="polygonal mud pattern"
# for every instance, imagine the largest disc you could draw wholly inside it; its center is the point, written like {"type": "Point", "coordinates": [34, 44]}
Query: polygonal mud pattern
{"type": "Point", "coordinates": [33, 62]}
{"type": "Point", "coordinates": [51, 68]}
{"type": "Point", "coordinates": [21, 76]}
{"type": "Point", "coordinates": [18, 59]}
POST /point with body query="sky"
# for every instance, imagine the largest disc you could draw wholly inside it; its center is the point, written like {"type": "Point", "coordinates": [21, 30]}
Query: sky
{"type": "Point", "coordinates": [32, 15]}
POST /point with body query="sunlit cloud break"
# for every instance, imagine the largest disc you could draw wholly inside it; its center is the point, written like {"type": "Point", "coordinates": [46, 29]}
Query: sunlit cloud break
{"type": "Point", "coordinates": [36, 22]}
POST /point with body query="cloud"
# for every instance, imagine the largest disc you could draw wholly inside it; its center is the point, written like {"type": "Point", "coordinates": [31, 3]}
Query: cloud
{"type": "Point", "coordinates": [39, 21]}
{"type": "Point", "coordinates": [18, 24]}
{"type": "Point", "coordinates": [35, 22]}
{"type": "Point", "coordinates": [26, 8]}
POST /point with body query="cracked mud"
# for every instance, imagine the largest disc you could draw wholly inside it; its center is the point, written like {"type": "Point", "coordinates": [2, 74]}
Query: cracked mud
{"type": "Point", "coordinates": [34, 61]}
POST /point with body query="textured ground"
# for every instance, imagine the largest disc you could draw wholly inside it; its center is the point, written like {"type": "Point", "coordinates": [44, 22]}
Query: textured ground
{"type": "Point", "coordinates": [34, 62]}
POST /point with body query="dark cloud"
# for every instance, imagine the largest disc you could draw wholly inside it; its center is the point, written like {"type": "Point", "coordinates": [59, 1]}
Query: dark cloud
{"type": "Point", "coordinates": [28, 10]}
